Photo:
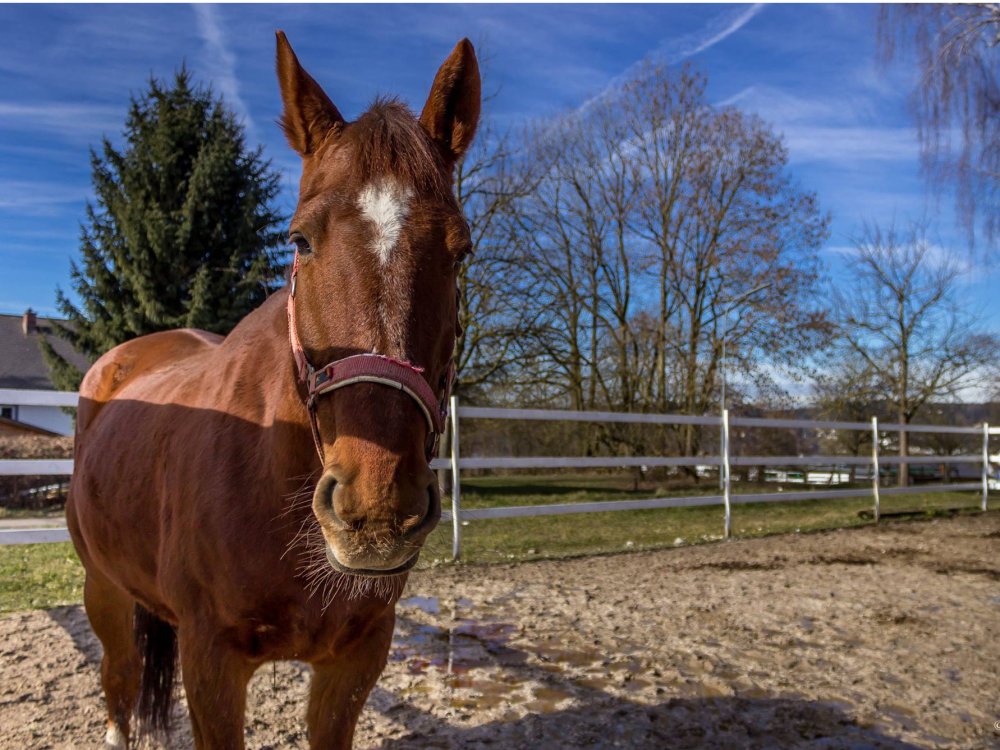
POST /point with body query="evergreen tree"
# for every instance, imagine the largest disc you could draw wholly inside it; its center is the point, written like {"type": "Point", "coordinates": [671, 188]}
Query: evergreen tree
{"type": "Point", "coordinates": [181, 233]}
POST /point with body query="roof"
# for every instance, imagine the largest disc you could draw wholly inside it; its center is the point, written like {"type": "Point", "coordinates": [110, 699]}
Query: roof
{"type": "Point", "coordinates": [21, 362]}
{"type": "Point", "coordinates": [13, 427]}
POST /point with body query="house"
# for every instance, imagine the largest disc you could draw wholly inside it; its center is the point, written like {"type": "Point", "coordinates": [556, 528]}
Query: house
{"type": "Point", "coordinates": [22, 367]}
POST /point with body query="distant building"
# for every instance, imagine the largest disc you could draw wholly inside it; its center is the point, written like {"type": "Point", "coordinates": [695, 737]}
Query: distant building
{"type": "Point", "coordinates": [23, 367]}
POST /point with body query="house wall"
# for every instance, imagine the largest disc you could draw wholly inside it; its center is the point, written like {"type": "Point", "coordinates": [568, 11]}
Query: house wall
{"type": "Point", "coordinates": [47, 417]}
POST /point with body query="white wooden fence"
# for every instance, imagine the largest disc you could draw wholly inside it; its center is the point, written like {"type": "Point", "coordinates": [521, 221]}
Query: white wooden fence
{"type": "Point", "coordinates": [456, 463]}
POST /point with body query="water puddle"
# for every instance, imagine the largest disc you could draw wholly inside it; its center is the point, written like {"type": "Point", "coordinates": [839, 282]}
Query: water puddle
{"type": "Point", "coordinates": [428, 604]}
{"type": "Point", "coordinates": [432, 605]}
{"type": "Point", "coordinates": [637, 684]}
{"type": "Point", "coordinates": [906, 717]}
{"type": "Point", "coordinates": [597, 682]}
{"type": "Point", "coordinates": [465, 645]}
{"type": "Point", "coordinates": [481, 694]}
{"type": "Point", "coordinates": [564, 657]}
{"type": "Point", "coordinates": [482, 670]}
{"type": "Point", "coordinates": [547, 700]}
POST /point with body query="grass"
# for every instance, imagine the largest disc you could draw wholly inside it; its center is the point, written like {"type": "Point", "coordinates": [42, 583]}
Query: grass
{"type": "Point", "coordinates": [508, 539]}
{"type": "Point", "coordinates": [28, 513]}
{"type": "Point", "coordinates": [36, 576]}
{"type": "Point", "coordinates": [39, 576]}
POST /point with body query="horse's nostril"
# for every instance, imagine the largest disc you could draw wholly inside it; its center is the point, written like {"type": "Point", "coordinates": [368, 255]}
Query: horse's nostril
{"type": "Point", "coordinates": [432, 514]}
{"type": "Point", "coordinates": [327, 498]}
{"type": "Point", "coordinates": [323, 496]}
{"type": "Point", "coordinates": [354, 525]}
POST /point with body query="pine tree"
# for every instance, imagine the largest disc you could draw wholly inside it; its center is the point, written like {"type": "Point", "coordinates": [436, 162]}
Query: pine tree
{"type": "Point", "coordinates": [181, 232]}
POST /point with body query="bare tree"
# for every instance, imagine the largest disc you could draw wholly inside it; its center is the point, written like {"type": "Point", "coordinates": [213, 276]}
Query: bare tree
{"type": "Point", "coordinates": [731, 241]}
{"type": "Point", "coordinates": [493, 282]}
{"type": "Point", "coordinates": [899, 314]}
{"type": "Point", "coordinates": [958, 49]}
{"type": "Point", "coordinates": [847, 389]}
{"type": "Point", "coordinates": [660, 227]}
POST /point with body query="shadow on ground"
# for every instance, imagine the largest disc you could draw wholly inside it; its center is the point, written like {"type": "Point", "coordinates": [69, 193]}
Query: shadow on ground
{"type": "Point", "coordinates": [73, 620]}
{"type": "Point", "coordinates": [589, 717]}
{"type": "Point", "coordinates": [606, 722]}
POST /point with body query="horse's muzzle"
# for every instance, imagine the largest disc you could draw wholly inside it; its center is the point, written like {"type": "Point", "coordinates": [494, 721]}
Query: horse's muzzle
{"type": "Point", "coordinates": [383, 540]}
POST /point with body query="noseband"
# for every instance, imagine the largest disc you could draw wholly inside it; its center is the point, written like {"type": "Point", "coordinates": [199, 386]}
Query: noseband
{"type": "Point", "coordinates": [366, 368]}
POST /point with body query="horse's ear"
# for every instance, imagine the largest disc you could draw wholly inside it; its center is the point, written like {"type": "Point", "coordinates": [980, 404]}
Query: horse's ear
{"type": "Point", "coordinates": [452, 109]}
{"type": "Point", "coordinates": [309, 114]}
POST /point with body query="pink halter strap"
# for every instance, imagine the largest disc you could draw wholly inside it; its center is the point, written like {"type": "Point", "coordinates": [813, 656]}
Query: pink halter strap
{"type": "Point", "coordinates": [365, 368]}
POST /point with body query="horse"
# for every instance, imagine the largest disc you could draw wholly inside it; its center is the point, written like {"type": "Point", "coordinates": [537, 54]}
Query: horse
{"type": "Point", "coordinates": [262, 496]}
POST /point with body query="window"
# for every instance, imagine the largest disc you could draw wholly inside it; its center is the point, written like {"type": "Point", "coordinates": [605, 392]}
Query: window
{"type": "Point", "coordinates": [8, 412]}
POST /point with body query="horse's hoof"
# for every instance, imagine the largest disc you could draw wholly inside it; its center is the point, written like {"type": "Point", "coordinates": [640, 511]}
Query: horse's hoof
{"type": "Point", "coordinates": [115, 738]}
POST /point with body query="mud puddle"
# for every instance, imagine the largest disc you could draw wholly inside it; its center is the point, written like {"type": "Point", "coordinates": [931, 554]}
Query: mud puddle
{"type": "Point", "coordinates": [485, 664]}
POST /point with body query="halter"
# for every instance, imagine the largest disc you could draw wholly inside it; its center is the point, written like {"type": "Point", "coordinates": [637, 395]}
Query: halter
{"type": "Point", "coordinates": [366, 368]}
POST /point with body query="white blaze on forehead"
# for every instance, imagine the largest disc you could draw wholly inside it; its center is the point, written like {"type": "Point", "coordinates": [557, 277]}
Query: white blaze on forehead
{"type": "Point", "coordinates": [385, 204]}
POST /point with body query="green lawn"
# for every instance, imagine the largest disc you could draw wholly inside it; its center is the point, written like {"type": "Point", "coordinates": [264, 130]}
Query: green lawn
{"type": "Point", "coordinates": [38, 576]}
{"type": "Point", "coordinates": [45, 575]}
{"type": "Point", "coordinates": [499, 540]}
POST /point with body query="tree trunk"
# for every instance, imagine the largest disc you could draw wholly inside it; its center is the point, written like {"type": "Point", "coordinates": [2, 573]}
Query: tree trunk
{"type": "Point", "coordinates": [904, 451]}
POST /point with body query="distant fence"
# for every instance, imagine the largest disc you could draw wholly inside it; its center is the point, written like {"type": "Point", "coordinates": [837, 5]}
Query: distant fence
{"type": "Point", "coordinates": [724, 460]}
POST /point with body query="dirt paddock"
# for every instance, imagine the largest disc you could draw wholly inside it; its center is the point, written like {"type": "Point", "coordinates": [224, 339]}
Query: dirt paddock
{"type": "Point", "coordinates": [863, 638]}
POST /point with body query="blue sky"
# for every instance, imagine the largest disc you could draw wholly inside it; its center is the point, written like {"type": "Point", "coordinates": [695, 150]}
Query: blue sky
{"type": "Point", "coordinates": [66, 73]}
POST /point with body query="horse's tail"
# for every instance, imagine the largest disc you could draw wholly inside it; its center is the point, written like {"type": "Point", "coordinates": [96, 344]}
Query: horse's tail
{"type": "Point", "coordinates": [157, 643]}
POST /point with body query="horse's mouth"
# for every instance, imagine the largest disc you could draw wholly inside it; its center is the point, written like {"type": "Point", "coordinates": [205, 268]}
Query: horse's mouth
{"type": "Point", "coordinates": [371, 572]}
{"type": "Point", "coordinates": [412, 539]}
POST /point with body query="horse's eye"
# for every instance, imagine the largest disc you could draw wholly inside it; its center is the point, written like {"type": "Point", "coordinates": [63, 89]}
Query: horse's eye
{"type": "Point", "coordinates": [301, 243]}
{"type": "Point", "coordinates": [462, 257]}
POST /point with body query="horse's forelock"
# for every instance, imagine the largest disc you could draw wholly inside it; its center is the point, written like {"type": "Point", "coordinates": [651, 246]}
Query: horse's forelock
{"type": "Point", "coordinates": [388, 141]}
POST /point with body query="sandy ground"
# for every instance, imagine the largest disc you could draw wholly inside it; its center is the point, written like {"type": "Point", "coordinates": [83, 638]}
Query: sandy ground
{"type": "Point", "coordinates": [865, 638]}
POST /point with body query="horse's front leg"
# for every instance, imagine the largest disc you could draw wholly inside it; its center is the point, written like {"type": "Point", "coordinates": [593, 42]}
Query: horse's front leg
{"type": "Point", "coordinates": [215, 681]}
{"type": "Point", "coordinates": [340, 685]}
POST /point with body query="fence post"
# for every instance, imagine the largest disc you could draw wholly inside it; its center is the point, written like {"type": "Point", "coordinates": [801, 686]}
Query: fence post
{"type": "Point", "coordinates": [443, 451]}
{"type": "Point", "coordinates": [875, 466]}
{"type": "Point", "coordinates": [725, 472]}
{"type": "Point", "coordinates": [722, 440]}
{"type": "Point", "coordinates": [986, 462]}
{"type": "Point", "coordinates": [456, 485]}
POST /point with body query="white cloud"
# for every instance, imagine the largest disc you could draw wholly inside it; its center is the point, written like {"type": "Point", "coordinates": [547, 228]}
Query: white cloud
{"type": "Point", "coordinates": [39, 198]}
{"type": "Point", "coordinates": [675, 50]}
{"type": "Point", "coordinates": [779, 106]}
{"type": "Point", "coordinates": [222, 64]}
{"type": "Point", "coordinates": [691, 46]}
{"type": "Point", "coordinates": [844, 145]}
{"type": "Point", "coordinates": [79, 121]}
{"type": "Point", "coordinates": [937, 257]}
{"type": "Point", "coordinates": [827, 128]}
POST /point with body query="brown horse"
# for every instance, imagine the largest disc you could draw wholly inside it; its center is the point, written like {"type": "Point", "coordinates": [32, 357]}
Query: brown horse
{"type": "Point", "coordinates": [234, 505]}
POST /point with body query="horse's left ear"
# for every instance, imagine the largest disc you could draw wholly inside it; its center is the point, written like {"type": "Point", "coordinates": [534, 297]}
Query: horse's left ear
{"type": "Point", "coordinates": [452, 109]}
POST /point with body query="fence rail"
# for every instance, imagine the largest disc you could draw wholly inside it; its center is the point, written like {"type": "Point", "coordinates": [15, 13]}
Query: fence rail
{"type": "Point", "coordinates": [19, 397]}
{"type": "Point", "coordinates": [455, 463]}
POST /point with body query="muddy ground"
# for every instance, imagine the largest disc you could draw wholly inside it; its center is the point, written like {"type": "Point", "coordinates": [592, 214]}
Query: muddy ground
{"type": "Point", "coordinates": [863, 638]}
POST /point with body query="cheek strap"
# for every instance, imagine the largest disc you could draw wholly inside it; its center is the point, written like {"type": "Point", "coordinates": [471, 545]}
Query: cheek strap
{"type": "Point", "coordinates": [366, 368]}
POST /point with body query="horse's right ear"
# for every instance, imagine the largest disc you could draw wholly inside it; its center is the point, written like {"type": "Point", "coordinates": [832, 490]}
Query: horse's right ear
{"type": "Point", "coordinates": [309, 115]}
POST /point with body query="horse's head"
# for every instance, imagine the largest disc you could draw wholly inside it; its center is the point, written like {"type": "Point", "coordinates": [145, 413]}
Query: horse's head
{"type": "Point", "coordinates": [379, 237]}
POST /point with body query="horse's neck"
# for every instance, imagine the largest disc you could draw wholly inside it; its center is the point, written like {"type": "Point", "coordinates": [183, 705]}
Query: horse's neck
{"type": "Point", "coordinates": [263, 365]}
